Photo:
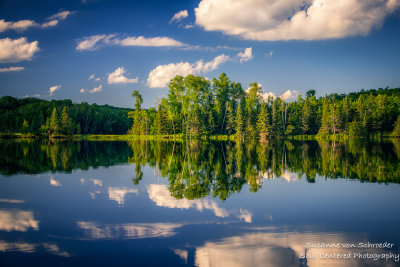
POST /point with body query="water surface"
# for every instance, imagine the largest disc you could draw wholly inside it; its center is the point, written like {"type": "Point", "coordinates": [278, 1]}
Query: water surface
{"type": "Point", "coordinates": [199, 204]}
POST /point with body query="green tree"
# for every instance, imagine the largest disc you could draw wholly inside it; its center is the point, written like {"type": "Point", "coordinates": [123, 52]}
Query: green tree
{"type": "Point", "coordinates": [263, 125]}
{"type": "Point", "coordinates": [396, 130]}
{"type": "Point", "coordinates": [54, 122]}
{"type": "Point", "coordinates": [66, 126]}
{"type": "Point", "coordinates": [240, 121]}
{"type": "Point", "coordinates": [25, 127]}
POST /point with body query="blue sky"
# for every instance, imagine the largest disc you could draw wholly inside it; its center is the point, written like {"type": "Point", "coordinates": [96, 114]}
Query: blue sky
{"type": "Point", "coordinates": [100, 51]}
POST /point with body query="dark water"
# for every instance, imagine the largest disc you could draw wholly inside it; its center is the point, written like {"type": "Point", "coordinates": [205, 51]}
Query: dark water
{"type": "Point", "coordinates": [199, 203]}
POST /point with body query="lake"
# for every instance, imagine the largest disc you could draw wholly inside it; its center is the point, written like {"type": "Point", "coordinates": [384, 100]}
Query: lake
{"type": "Point", "coordinates": [200, 203]}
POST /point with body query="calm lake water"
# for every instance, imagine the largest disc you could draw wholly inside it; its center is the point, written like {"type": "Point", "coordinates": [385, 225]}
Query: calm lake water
{"type": "Point", "coordinates": [142, 203]}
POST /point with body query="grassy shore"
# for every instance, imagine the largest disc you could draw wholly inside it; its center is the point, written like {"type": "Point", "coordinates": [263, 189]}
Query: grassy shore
{"type": "Point", "coordinates": [126, 137]}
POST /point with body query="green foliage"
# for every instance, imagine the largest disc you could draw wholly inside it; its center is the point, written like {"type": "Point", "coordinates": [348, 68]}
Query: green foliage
{"type": "Point", "coordinates": [25, 127]}
{"type": "Point", "coordinates": [396, 130]}
{"type": "Point", "coordinates": [93, 119]}
{"type": "Point", "coordinates": [263, 124]}
{"type": "Point", "coordinates": [357, 129]}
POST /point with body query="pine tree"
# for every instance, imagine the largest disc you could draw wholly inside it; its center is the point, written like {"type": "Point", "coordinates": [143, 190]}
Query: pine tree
{"type": "Point", "coordinates": [230, 119]}
{"type": "Point", "coordinates": [211, 123]}
{"type": "Point", "coordinates": [239, 121]}
{"type": "Point", "coordinates": [54, 124]}
{"type": "Point", "coordinates": [306, 117]}
{"type": "Point", "coordinates": [325, 121]}
{"type": "Point", "coordinates": [396, 130]}
{"type": "Point", "coordinates": [66, 122]}
{"type": "Point", "coordinates": [25, 127]}
{"type": "Point", "coordinates": [263, 125]}
{"type": "Point", "coordinates": [277, 123]}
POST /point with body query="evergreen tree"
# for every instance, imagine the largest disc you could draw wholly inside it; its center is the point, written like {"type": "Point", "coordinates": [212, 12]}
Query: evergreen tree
{"type": "Point", "coordinates": [239, 121]}
{"type": "Point", "coordinates": [230, 118]}
{"type": "Point", "coordinates": [396, 130]}
{"type": "Point", "coordinates": [25, 127]}
{"type": "Point", "coordinates": [325, 120]}
{"type": "Point", "coordinates": [306, 117]}
{"type": "Point", "coordinates": [263, 125]}
{"type": "Point", "coordinates": [277, 123]}
{"type": "Point", "coordinates": [54, 123]}
{"type": "Point", "coordinates": [211, 123]}
{"type": "Point", "coordinates": [66, 122]}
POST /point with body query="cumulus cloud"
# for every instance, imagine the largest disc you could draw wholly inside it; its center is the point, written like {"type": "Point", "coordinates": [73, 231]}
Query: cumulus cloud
{"type": "Point", "coordinates": [96, 89]}
{"type": "Point", "coordinates": [118, 77]}
{"type": "Point", "coordinates": [246, 55]}
{"type": "Point", "coordinates": [23, 25]}
{"type": "Point", "coordinates": [62, 15]}
{"type": "Point", "coordinates": [82, 91]}
{"type": "Point", "coordinates": [15, 50]}
{"type": "Point", "coordinates": [20, 25]}
{"type": "Point", "coordinates": [96, 41]}
{"type": "Point", "coordinates": [49, 24]}
{"type": "Point", "coordinates": [143, 41]}
{"type": "Point", "coordinates": [93, 42]}
{"type": "Point", "coordinates": [11, 69]}
{"type": "Point", "coordinates": [92, 77]}
{"type": "Point", "coordinates": [179, 16]}
{"type": "Point", "coordinates": [161, 75]}
{"type": "Point", "coordinates": [53, 89]}
{"type": "Point", "coordinates": [292, 19]}
{"type": "Point", "coordinates": [289, 94]}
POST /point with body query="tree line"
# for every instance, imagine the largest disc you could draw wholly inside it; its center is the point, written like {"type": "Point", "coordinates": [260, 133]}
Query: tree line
{"type": "Point", "coordinates": [198, 106]}
{"type": "Point", "coordinates": [38, 116]}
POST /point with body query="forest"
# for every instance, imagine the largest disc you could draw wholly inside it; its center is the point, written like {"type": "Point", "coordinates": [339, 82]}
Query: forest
{"type": "Point", "coordinates": [196, 106]}
{"type": "Point", "coordinates": [33, 115]}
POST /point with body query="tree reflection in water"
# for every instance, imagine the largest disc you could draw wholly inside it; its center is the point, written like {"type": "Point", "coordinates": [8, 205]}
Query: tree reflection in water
{"type": "Point", "coordinates": [200, 168]}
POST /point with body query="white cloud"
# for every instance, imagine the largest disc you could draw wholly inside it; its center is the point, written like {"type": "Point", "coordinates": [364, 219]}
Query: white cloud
{"type": "Point", "coordinates": [17, 220]}
{"type": "Point", "coordinates": [289, 94]}
{"type": "Point", "coordinates": [11, 69]}
{"type": "Point", "coordinates": [15, 50]}
{"type": "Point", "coordinates": [96, 89]}
{"type": "Point", "coordinates": [53, 89]}
{"type": "Point", "coordinates": [13, 201]}
{"type": "Point", "coordinates": [50, 23]}
{"type": "Point", "coordinates": [95, 41]}
{"type": "Point", "coordinates": [21, 25]}
{"type": "Point", "coordinates": [143, 41]}
{"type": "Point", "coordinates": [97, 79]}
{"type": "Point", "coordinates": [292, 19]}
{"type": "Point", "coordinates": [119, 193]}
{"type": "Point", "coordinates": [179, 16]}
{"type": "Point", "coordinates": [118, 77]}
{"type": "Point", "coordinates": [62, 15]}
{"type": "Point", "coordinates": [92, 42]}
{"type": "Point", "coordinates": [246, 55]}
{"type": "Point", "coordinates": [54, 182]}
{"type": "Point", "coordinates": [92, 77]}
{"type": "Point", "coordinates": [161, 75]}
{"type": "Point", "coordinates": [268, 95]}
{"type": "Point", "coordinates": [94, 230]}
{"type": "Point", "coordinates": [162, 197]}
{"type": "Point", "coordinates": [82, 91]}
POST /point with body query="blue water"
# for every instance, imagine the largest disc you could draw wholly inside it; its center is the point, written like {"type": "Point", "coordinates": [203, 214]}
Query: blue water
{"type": "Point", "coordinates": [99, 217]}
